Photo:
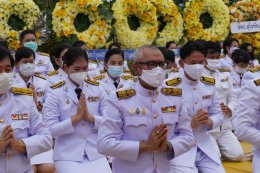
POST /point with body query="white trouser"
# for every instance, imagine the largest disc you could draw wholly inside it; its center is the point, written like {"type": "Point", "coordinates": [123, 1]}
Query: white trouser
{"type": "Point", "coordinates": [203, 164]}
{"type": "Point", "coordinates": [227, 145]}
{"type": "Point", "coordinates": [97, 166]}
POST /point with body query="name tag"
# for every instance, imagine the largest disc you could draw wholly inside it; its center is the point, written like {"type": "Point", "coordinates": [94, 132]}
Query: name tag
{"type": "Point", "coordinates": [206, 97]}
{"type": "Point", "coordinates": [93, 99]}
{"type": "Point", "coordinates": [40, 93]}
{"type": "Point", "coordinates": [224, 80]}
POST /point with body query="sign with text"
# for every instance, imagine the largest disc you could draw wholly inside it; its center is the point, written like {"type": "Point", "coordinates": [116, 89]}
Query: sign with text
{"type": "Point", "coordinates": [100, 54]}
{"type": "Point", "coordinates": [245, 27]}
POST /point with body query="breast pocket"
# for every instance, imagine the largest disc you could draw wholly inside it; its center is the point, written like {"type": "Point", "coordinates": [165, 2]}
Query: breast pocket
{"type": "Point", "coordinates": [136, 128]}
{"type": "Point", "coordinates": [171, 120]}
{"type": "Point", "coordinates": [21, 128]}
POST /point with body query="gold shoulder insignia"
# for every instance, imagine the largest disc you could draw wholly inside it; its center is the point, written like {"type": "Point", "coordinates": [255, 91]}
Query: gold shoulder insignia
{"type": "Point", "coordinates": [99, 77]}
{"type": "Point", "coordinates": [207, 80]}
{"type": "Point", "coordinates": [102, 71]}
{"type": "Point", "coordinates": [91, 82]}
{"type": "Point", "coordinates": [127, 77]}
{"type": "Point", "coordinates": [255, 69]}
{"type": "Point", "coordinates": [91, 61]}
{"type": "Point", "coordinates": [39, 76]}
{"type": "Point", "coordinates": [174, 81]}
{"type": "Point", "coordinates": [44, 54]}
{"type": "Point", "coordinates": [22, 91]}
{"type": "Point", "coordinates": [171, 91]}
{"type": "Point", "coordinates": [125, 94]}
{"type": "Point", "coordinates": [224, 70]}
{"type": "Point", "coordinates": [57, 85]}
{"type": "Point", "coordinates": [257, 82]}
{"type": "Point", "coordinates": [127, 71]}
{"type": "Point", "coordinates": [175, 70]}
{"type": "Point", "coordinates": [52, 73]}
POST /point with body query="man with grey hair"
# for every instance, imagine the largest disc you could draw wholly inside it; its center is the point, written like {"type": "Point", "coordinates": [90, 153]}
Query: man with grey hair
{"type": "Point", "coordinates": [145, 125]}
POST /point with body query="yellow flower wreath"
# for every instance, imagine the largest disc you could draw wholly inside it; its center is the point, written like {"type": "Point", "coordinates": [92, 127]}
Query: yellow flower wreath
{"type": "Point", "coordinates": [146, 12]}
{"type": "Point", "coordinates": [173, 31]}
{"type": "Point", "coordinates": [65, 13]}
{"type": "Point", "coordinates": [217, 10]}
{"type": "Point", "coordinates": [247, 10]}
{"type": "Point", "coordinates": [26, 10]}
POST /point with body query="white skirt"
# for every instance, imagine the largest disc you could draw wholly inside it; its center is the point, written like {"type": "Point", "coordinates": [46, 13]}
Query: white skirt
{"type": "Point", "coordinates": [100, 165]}
{"type": "Point", "coordinates": [42, 158]}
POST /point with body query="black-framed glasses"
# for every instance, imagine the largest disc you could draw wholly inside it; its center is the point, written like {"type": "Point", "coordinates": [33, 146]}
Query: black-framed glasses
{"type": "Point", "coordinates": [154, 64]}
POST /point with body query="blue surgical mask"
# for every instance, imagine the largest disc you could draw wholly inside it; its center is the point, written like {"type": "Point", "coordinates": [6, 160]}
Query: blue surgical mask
{"type": "Point", "coordinates": [115, 71]}
{"type": "Point", "coordinates": [31, 45]}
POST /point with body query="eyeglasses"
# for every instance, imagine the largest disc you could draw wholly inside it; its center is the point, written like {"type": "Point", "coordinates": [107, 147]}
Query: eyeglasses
{"type": "Point", "coordinates": [154, 64]}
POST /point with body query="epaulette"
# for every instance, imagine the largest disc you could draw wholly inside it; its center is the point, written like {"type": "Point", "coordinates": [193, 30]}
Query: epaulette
{"type": "Point", "coordinates": [224, 70]}
{"type": "Point", "coordinates": [99, 77]}
{"type": "Point", "coordinates": [39, 76]}
{"type": "Point", "coordinates": [44, 54]}
{"type": "Point", "coordinates": [255, 69]}
{"type": "Point", "coordinates": [171, 91]}
{"type": "Point", "coordinates": [174, 81]}
{"type": "Point", "coordinates": [91, 61]}
{"type": "Point", "coordinates": [125, 94]}
{"type": "Point", "coordinates": [175, 70]}
{"type": "Point", "coordinates": [257, 82]}
{"type": "Point", "coordinates": [91, 82]}
{"type": "Point", "coordinates": [22, 91]}
{"type": "Point", "coordinates": [127, 77]}
{"type": "Point", "coordinates": [52, 73]}
{"type": "Point", "coordinates": [57, 85]}
{"type": "Point", "coordinates": [102, 72]}
{"type": "Point", "coordinates": [127, 71]}
{"type": "Point", "coordinates": [207, 80]}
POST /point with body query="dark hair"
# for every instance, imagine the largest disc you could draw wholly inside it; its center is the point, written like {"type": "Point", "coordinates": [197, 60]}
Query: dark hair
{"type": "Point", "coordinates": [59, 49]}
{"type": "Point", "coordinates": [78, 43]}
{"type": "Point", "coordinates": [168, 54]}
{"type": "Point", "coordinates": [4, 44]}
{"type": "Point", "coordinates": [245, 45]}
{"type": "Point", "coordinates": [23, 52]}
{"type": "Point", "coordinates": [168, 44]}
{"type": "Point", "coordinates": [227, 43]}
{"type": "Point", "coordinates": [213, 46]}
{"type": "Point", "coordinates": [190, 47]}
{"type": "Point", "coordinates": [73, 54]}
{"type": "Point", "coordinates": [240, 56]}
{"type": "Point", "coordinates": [111, 52]}
{"type": "Point", "coordinates": [25, 32]}
{"type": "Point", "coordinates": [115, 45]}
{"type": "Point", "coordinates": [4, 53]}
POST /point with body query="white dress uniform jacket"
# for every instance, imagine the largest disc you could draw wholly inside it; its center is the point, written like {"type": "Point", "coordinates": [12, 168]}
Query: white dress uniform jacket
{"type": "Point", "coordinates": [130, 116]}
{"type": "Point", "coordinates": [107, 83]}
{"type": "Point", "coordinates": [198, 95]}
{"type": "Point", "coordinates": [43, 64]}
{"type": "Point", "coordinates": [238, 81]}
{"type": "Point", "coordinates": [56, 76]}
{"type": "Point", "coordinates": [73, 143]}
{"type": "Point", "coordinates": [18, 110]}
{"type": "Point", "coordinates": [226, 62]}
{"type": "Point", "coordinates": [251, 74]}
{"type": "Point", "coordinates": [248, 127]}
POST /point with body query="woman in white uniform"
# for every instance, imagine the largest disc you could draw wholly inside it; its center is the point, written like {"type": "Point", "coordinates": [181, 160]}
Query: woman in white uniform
{"type": "Point", "coordinates": [73, 112]}
{"type": "Point", "coordinates": [250, 49]}
{"type": "Point", "coordinates": [25, 78]}
{"type": "Point", "coordinates": [22, 131]}
{"type": "Point", "coordinates": [241, 60]}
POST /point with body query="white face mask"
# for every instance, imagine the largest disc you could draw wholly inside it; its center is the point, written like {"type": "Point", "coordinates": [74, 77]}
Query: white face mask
{"type": "Point", "coordinates": [6, 80]}
{"type": "Point", "coordinates": [240, 70]}
{"type": "Point", "coordinates": [233, 49]}
{"type": "Point", "coordinates": [213, 64]}
{"type": "Point", "coordinates": [78, 77]}
{"type": "Point", "coordinates": [194, 71]}
{"type": "Point", "coordinates": [154, 77]}
{"type": "Point", "coordinates": [27, 69]}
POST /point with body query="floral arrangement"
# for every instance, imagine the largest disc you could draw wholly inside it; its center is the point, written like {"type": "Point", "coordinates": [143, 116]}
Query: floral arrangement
{"type": "Point", "coordinates": [26, 10]}
{"type": "Point", "coordinates": [173, 31]}
{"type": "Point", "coordinates": [65, 13]}
{"type": "Point", "coordinates": [146, 13]}
{"type": "Point", "coordinates": [246, 10]}
{"type": "Point", "coordinates": [217, 10]}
